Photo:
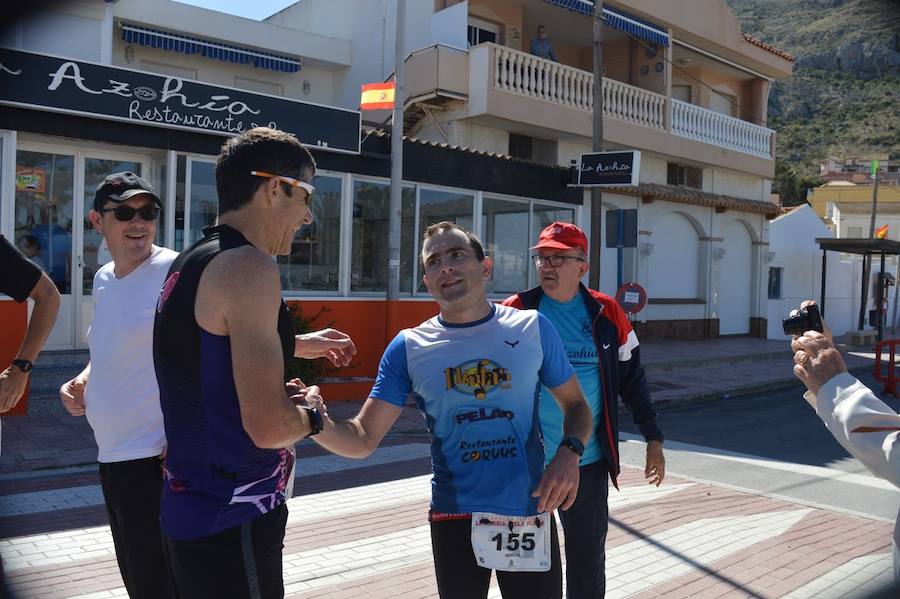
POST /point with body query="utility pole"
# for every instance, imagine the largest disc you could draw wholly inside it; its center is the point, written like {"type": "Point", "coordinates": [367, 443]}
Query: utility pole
{"type": "Point", "coordinates": [867, 258]}
{"type": "Point", "coordinates": [874, 204]}
{"type": "Point", "coordinates": [393, 282]}
{"type": "Point", "coordinates": [597, 118]}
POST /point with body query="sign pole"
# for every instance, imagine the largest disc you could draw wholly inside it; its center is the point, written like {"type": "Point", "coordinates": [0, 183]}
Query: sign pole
{"type": "Point", "coordinates": [620, 247]}
{"type": "Point", "coordinates": [597, 119]}
{"type": "Point", "coordinates": [393, 286]}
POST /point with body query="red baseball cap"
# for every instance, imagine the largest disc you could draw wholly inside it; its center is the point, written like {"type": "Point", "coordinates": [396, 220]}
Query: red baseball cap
{"type": "Point", "coordinates": [562, 236]}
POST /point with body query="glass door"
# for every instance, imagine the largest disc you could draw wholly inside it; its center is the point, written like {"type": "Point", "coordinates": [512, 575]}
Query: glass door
{"type": "Point", "coordinates": [93, 252]}
{"type": "Point", "coordinates": [44, 214]}
{"type": "Point", "coordinates": [202, 199]}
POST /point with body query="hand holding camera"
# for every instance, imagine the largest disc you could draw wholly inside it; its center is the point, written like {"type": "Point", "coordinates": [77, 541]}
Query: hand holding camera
{"type": "Point", "coordinates": [816, 359]}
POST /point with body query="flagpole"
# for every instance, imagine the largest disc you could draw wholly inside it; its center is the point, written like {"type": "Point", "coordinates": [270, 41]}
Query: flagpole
{"type": "Point", "coordinates": [393, 283]}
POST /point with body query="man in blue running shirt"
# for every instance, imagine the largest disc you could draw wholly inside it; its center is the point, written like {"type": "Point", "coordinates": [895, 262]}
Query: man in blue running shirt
{"type": "Point", "coordinates": [476, 371]}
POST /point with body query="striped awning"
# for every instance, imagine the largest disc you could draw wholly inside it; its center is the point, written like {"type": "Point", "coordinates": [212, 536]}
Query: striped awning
{"type": "Point", "coordinates": [152, 38]}
{"type": "Point", "coordinates": [614, 17]}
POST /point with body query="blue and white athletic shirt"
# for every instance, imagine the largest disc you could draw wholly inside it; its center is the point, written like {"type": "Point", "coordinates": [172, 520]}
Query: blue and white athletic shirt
{"type": "Point", "coordinates": [478, 385]}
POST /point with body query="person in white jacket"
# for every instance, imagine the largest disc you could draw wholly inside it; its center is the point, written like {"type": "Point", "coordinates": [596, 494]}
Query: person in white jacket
{"type": "Point", "coordinates": [863, 424]}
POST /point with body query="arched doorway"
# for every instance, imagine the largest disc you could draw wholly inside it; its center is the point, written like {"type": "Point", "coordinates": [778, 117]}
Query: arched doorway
{"type": "Point", "coordinates": [735, 281]}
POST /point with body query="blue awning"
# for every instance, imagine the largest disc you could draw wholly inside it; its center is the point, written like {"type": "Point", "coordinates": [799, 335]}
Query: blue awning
{"type": "Point", "coordinates": [614, 17]}
{"type": "Point", "coordinates": [152, 38]}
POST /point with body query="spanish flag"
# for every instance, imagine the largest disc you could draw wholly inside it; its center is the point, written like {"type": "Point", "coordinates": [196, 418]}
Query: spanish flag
{"type": "Point", "coordinates": [377, 96]}
{"type": "Point", "coordinates": [881, 232]}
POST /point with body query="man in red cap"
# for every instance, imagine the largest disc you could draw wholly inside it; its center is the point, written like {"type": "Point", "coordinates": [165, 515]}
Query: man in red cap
{"type": "Point", "coordinates": [603, 349]}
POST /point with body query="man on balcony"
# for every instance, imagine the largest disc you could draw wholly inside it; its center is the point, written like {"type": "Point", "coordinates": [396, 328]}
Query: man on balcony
{"type": "Point", "coordinates": [604, 352]}
{"type": "Point", "coordinates": [541, 47]}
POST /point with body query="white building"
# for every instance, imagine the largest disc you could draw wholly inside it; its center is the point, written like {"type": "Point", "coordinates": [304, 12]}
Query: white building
{"type": "Point", "coordinates": [795, 273]}
{"type": "Point", "coordinates": [91, 87]}
{"type": "Point", "coordinates": [683, 85]}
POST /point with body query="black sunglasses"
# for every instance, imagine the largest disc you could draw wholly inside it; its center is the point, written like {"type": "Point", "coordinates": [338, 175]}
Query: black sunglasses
{"type": "Point", "coordinates": [150, 212]}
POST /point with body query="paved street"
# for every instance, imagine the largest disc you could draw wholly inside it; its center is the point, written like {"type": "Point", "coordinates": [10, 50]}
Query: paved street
{"type": "Point", "coordinates": [770, 443]}
{"type": "Point", "coordinates": [733, 519]}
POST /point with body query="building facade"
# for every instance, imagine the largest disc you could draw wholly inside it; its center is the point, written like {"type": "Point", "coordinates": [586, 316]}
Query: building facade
{"type": "Point", "coordinates": [683, 86]}
{"type": "Point", "coordinates": [93, 87]}
{"type": "Point", "coordinates": [846, 208]}
{"type": "Point", "coordinates": [859, 170]}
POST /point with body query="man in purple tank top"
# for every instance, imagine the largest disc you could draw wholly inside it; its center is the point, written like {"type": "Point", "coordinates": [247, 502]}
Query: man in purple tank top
{"type": "Point", "coordinates": [222, 340]}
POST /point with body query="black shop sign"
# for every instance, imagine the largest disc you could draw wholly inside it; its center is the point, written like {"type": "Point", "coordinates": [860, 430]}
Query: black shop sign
{"type": "Point", "coordinates": [77, 87]}
{"type": "Point", "coordinates": [601, 169]}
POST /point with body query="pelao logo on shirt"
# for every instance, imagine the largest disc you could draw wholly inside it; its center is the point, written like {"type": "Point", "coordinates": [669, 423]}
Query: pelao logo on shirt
{"type": "Point", "coordinates": [477, 377]}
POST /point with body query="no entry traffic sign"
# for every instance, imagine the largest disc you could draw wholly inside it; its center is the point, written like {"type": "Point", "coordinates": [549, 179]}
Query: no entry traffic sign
{"type": "Point", "coordinates": [631, 297]}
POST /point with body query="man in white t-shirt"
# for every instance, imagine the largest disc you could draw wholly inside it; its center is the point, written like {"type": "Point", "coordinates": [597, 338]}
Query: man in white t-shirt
{"type": "Point", "coordinates": [118, 390]}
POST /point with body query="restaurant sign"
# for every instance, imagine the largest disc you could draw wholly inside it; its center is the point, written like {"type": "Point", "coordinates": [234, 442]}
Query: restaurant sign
{"type": "Point", "coordinates": [601, 169]}
{"type": "Point", "coordinates": [78, 87]}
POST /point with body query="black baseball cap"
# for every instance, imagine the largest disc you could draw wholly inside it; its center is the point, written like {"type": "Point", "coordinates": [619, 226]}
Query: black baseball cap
{"type": "Point", "coordinates": [118, 187]}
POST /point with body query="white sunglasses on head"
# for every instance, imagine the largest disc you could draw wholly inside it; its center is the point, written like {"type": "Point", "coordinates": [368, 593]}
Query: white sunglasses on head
{"type": "Point", "coordinates": [289, 180]}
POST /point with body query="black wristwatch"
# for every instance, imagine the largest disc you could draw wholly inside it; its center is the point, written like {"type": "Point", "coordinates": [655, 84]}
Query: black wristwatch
{"type": "Point", "coordinates": [23, 365]}
{"type": "Point", "coordinates": [575, 444]}
{"type": "Point", "coordinates": [315, 420]}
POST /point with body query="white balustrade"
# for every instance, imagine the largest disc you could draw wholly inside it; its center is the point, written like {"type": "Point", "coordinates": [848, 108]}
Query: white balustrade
{"type": "Point", "coordinates": [528, 75]}
{"type": "Point", "coordinates": [694, 122]}
{"type": "Point", "coordinates": [521, 73]}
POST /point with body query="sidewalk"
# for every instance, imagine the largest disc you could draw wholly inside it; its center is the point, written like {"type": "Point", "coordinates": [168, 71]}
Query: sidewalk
{"type": "Point", "coordinates": [359, 529]}
{"type": "Point", "coordinates": [678, 372]}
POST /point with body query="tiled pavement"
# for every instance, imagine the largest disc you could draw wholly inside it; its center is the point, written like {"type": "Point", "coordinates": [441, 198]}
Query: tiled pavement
{"type": "Point", "coordinates": [358, 529]}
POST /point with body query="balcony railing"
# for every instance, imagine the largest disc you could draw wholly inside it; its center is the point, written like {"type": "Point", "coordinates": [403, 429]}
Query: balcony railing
{"type": "Point", "coordinates": [520, 73]}
{"type": "Point", "coordinates": [720, 130]}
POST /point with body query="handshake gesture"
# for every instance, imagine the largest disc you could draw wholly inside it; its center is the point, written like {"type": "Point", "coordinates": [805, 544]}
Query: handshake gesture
{"type": "Point", "coordinates": [308, 397]}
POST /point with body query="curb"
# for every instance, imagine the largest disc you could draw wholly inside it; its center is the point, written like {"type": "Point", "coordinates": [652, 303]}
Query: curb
{"type": "Point", "coordinates": [739, 391]}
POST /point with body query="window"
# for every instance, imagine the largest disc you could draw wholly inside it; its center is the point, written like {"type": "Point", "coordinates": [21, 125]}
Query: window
{"type": "Point", "coordinates": [168, 69]}
{"type": "Point", "coordinates": [506, 241]}
{"type": "Point", "coordinates": [43, 210]}
{"type": "Point", "coordinates": [507, 237]}
{"type": "Point", "coordinates": [480, 31]}
{"type": "Point", "coordinates": [532, 148]}
{"type": "Point", "coordinates": [722, 103]}
{"type": "Point", "coordinates": [263, 87]}
{"type": "Point", "coordinates": [681, 92]}
{"type": "Point", "coordinates": [544, 214]}
{"type": "Point", "coordinates": [204, 199]}
{"type": "Point", "coordinates": [689, 176]}
{"type": "Point", "coordinates": [775, 282]}
{"type": "Point", "coordinates": [368, 268]}
{"type": "Point", "coordinates": [314, 260]}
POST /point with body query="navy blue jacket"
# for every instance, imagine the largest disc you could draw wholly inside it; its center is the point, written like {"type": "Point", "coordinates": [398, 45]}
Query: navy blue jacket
{"type": "Point", "coordinates": [620, 371]}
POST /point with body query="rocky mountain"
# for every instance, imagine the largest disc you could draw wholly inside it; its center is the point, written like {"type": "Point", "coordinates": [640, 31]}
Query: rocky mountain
{"type": "Point", "coordinates": [844, 97]}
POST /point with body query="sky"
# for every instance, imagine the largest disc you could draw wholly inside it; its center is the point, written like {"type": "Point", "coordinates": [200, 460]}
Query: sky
{"type": "Point", "coordinates": [257, 9]}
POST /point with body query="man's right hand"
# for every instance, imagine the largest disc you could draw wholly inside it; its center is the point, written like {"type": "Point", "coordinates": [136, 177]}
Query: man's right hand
{"type": "Point", "coordinates": [12, 387]}
{"type": "Point", "coordinates": [313, 399]}
{"type": "Point", "coordinates": [816, 359]}
{"type": "Point", "coordinates": [72, 396]}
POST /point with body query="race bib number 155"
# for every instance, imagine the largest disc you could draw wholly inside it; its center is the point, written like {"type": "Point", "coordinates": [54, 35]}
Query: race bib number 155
{"type": "Point", "coordinates": [511, 543]}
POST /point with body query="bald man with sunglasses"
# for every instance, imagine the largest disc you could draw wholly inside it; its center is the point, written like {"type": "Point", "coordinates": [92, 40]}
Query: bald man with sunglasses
{"type": "Point", "coordinates": [117, 391]}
